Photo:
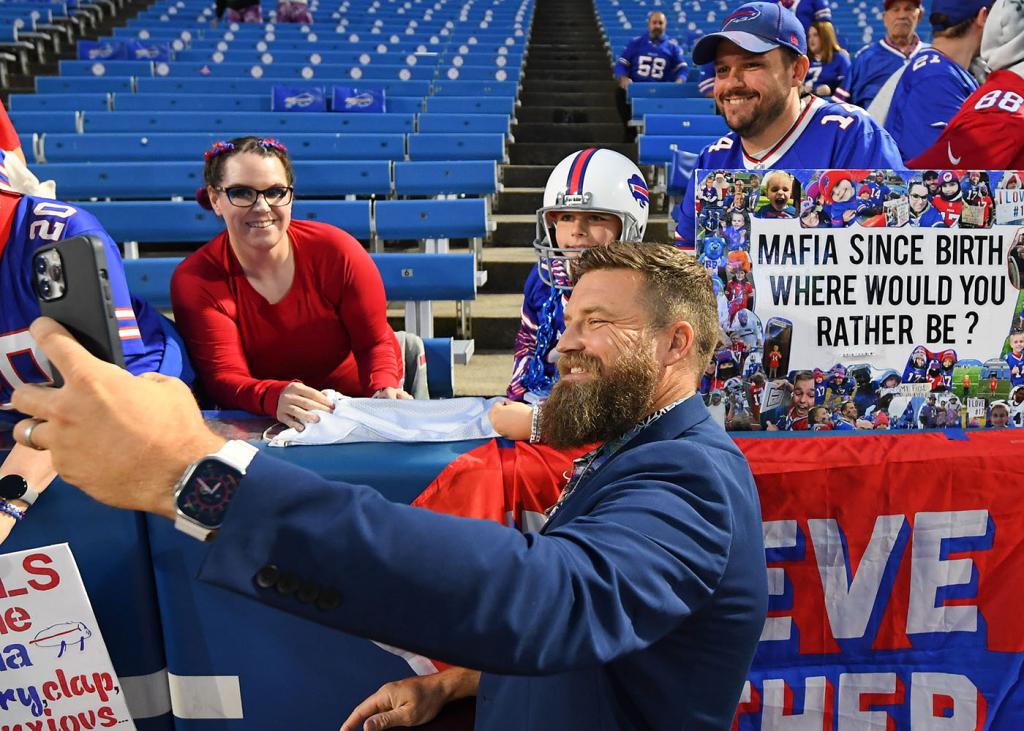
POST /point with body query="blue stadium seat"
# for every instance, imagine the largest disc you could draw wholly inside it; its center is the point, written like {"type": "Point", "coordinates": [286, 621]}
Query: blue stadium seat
{"type": "Point", "coordinates": [152, 102]}
{"type": "Point", "coordinates": [672, 106]}
{"type": "Point", "coordinates": [657, 149]}
{"type": "Point", "coordinates": [463, 123]}
{"type": "Point", "coordinates": [476, 146]}
{"type": "Point", "coordinates": [684, 124]}
{"type": "Point", "coordinates": [471, 105]}
{"type": "Point", "coordinates": [54, 121]}
{"type": "Point", "coordinates": [431, 219]}
{"type": "Point", "coordinates": [97, 101]}
{"type": "Point", "coordinates": [661, 90]}
{"type": "Point", "coordinates": [79, 85]}
{"type": "Point", "coordinates": [471, 177]}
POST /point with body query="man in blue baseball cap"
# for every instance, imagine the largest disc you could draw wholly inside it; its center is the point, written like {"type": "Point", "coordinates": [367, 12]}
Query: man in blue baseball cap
{"type": "Point", "coordinates": [760, 58]}
{"type": "Point", "coordinates": [937, 82]}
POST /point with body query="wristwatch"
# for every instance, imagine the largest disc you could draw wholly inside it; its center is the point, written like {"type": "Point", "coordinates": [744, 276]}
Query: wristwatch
{"type": "Point", "coordinates": [15, 487]}
{"type": "Point", "coordinates": [203, 493]}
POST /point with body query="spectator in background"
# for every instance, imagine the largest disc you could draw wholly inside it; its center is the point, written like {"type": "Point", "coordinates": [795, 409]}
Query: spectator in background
{"type": "Point", "coordinates": [239, 11]}
{"type": "Point", "coordinates": [761, 64]}
{"type": "Point", "coordinates": [652, 56]}
{"type": "Point", "coordinates": [988, 131]}
{"type": "Point", "coordinates": [809, 12]}
{"type": "Point", "coordinates": [830, 63]}
{"type": "Point", "coordinates": [875, 63]}
{"type": "Point", "coordinates": [275, 309]}
{"type": "Point", "coordinates": [294, 11]}
{"type": "Point", "coordinates": [935, 85]}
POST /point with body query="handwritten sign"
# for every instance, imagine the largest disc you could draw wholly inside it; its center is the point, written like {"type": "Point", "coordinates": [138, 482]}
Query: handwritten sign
{"type": "Point", "coordinates": [55, 672]}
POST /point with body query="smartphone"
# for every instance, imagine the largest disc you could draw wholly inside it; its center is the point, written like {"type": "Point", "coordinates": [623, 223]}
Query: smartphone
{"type": "Point", "coordinates": [73, 287]}
{"type": "Point", "coordinates": [777, 332]}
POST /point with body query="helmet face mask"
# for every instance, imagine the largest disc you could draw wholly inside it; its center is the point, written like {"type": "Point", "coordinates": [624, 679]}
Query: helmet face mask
{"type": "Point", "coordinates": [592, 180]}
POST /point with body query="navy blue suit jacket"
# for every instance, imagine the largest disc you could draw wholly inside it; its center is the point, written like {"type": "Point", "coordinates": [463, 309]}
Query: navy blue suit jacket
{"type": "Point", "coordinates": [638, 606]}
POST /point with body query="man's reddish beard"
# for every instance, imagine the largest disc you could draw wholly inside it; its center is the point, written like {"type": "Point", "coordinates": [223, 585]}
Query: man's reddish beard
{"type": "Point", "coordinates": [604, 407]}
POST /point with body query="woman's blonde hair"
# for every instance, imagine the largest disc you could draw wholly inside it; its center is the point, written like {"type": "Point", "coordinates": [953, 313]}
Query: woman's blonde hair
{"type": "Point", "coordinates": [829, 43]}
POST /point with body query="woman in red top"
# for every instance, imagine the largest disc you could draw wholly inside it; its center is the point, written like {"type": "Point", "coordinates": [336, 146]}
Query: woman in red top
{"type": "Point", "coordinates": [275, 309]}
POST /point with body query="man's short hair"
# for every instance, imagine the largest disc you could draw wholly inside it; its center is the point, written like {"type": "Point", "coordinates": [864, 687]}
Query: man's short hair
{"type": "Point", "coordinates": [939, 20]}
{"type": "Point", "coordinates": [677, 287]}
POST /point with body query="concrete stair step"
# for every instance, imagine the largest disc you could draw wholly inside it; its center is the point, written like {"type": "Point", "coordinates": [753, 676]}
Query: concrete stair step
{"type": "Point", "coordinates": [550, 153]}
{"type": "Point", "coordinates": [525, 176]}
{"type": "Point", "coordinates": [519, 200]}
{"type": "Point", "coordinates": [486, 374]}
{"type": "Point", "coordinates": [561, 86]}
{"type": "Point", "coordinates": [559, 115]}
{"type": "Point", "coordinates": [496, 319]}
{"type": "Point", "coordinates": [556, 74]}
{"type": "Point", "coordinates": [596, 59]}
{"type": "Point", "coordinates": [569, 100]}
{"type": "Point", "coordinates": [586, 135]}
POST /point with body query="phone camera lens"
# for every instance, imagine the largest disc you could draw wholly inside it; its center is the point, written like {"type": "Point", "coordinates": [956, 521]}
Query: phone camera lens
{"type": "Point", "coordinates": [57, 273]}
{"type": "Point", "coordinates": [41, 265]}
{"type": "Point", "coordinates": [45, 288]}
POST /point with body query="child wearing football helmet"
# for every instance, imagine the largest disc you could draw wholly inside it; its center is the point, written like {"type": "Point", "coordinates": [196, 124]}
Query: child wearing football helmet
{"type": "Point", "coordinates": [592, 197]}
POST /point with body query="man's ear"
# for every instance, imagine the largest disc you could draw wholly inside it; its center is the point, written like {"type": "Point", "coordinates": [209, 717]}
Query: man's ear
{"type": "Point", "coordinates": [680, 344]}
{"type": "Point", "coordinates": [800, 69]}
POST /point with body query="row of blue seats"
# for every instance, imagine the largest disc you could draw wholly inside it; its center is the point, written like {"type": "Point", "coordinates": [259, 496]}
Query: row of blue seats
{"type": "Point", "coordinates": [343, 45]}
{"type": "Point", "coordinates": [224, 101]}
{"type": "Point", "coordinates": [167, 32]}
{"type": "Point", "coordinates": [338, 73]}
{"type": "Point", "coordinates": [235, 123]}
{"type": "Point", "coordinates": [207, 85]}
{"type": "Point", "coordinates": [314, 178]}
{"type": "Point", "coordinates": [347, 58]}
{"type": "Point", "coordinates": [150, 222]}
{"type": "Point", "coordinates": [128, 147]}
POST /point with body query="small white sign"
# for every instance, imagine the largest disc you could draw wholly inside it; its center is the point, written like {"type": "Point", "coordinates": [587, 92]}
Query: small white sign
{"type": "Point", "coordinates": [56, 672]}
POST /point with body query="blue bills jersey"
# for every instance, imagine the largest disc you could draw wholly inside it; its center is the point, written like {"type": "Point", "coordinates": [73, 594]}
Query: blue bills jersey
{"type": "Point", "coordinates": [28, 223]}
{"type": "Point", "coordinates": [645, 60]}
{"type": "Point", "coordinates": [871, 68]}
{"type": "Point", "coordinates": [825, 135]}
{"type": "Point", "coordinates": [809, 11]}
{"type": "Point", "coordinates": [930, 92]}
{"type": "Point", "coordinates": [832, 74]}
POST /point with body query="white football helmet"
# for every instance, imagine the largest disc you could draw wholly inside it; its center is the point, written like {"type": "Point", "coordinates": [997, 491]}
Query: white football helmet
{"type": "Point", "coordinates": [589, 180]}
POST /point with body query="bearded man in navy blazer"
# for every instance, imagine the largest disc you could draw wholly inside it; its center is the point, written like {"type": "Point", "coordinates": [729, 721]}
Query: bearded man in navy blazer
{"type": "Point", "coordinates": [638, 605]}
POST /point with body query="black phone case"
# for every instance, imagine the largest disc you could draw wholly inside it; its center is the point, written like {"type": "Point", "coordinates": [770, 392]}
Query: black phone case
{"type": "Point", "coordinates": [87, 307]}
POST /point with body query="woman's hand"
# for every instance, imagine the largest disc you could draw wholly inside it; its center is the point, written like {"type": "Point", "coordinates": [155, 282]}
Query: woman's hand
{"type": "Point", "coordinates": [298, 404]}
{"type": "Point", "coordinates": [391, 393]}
{"type": "Point", "coordinates": [412, 701]}
{"type": "Point", "coordinates": [511, 419]}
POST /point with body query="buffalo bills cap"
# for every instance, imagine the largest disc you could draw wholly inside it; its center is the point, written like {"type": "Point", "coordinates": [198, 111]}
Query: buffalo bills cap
{"type": "Point", "coordinates": [947, 13]}
{"type": "Point", "coordinates": [756, 27]}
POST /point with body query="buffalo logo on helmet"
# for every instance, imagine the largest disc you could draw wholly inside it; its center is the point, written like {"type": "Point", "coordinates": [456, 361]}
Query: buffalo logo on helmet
{"type": "Point", "coordinates": [638, 188]}
{"type": "Point", "coordinates": [742, 15]}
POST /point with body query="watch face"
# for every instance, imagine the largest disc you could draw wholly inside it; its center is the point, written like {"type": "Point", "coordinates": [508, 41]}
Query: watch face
{"type": "Point", "coordinates": [208, 491]}
{"type": "Point", "coordinates": [12, 487]}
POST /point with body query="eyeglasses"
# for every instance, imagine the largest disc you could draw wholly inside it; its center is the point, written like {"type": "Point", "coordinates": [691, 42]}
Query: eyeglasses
{"type": "Point", "coordinates": [243, 196]}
